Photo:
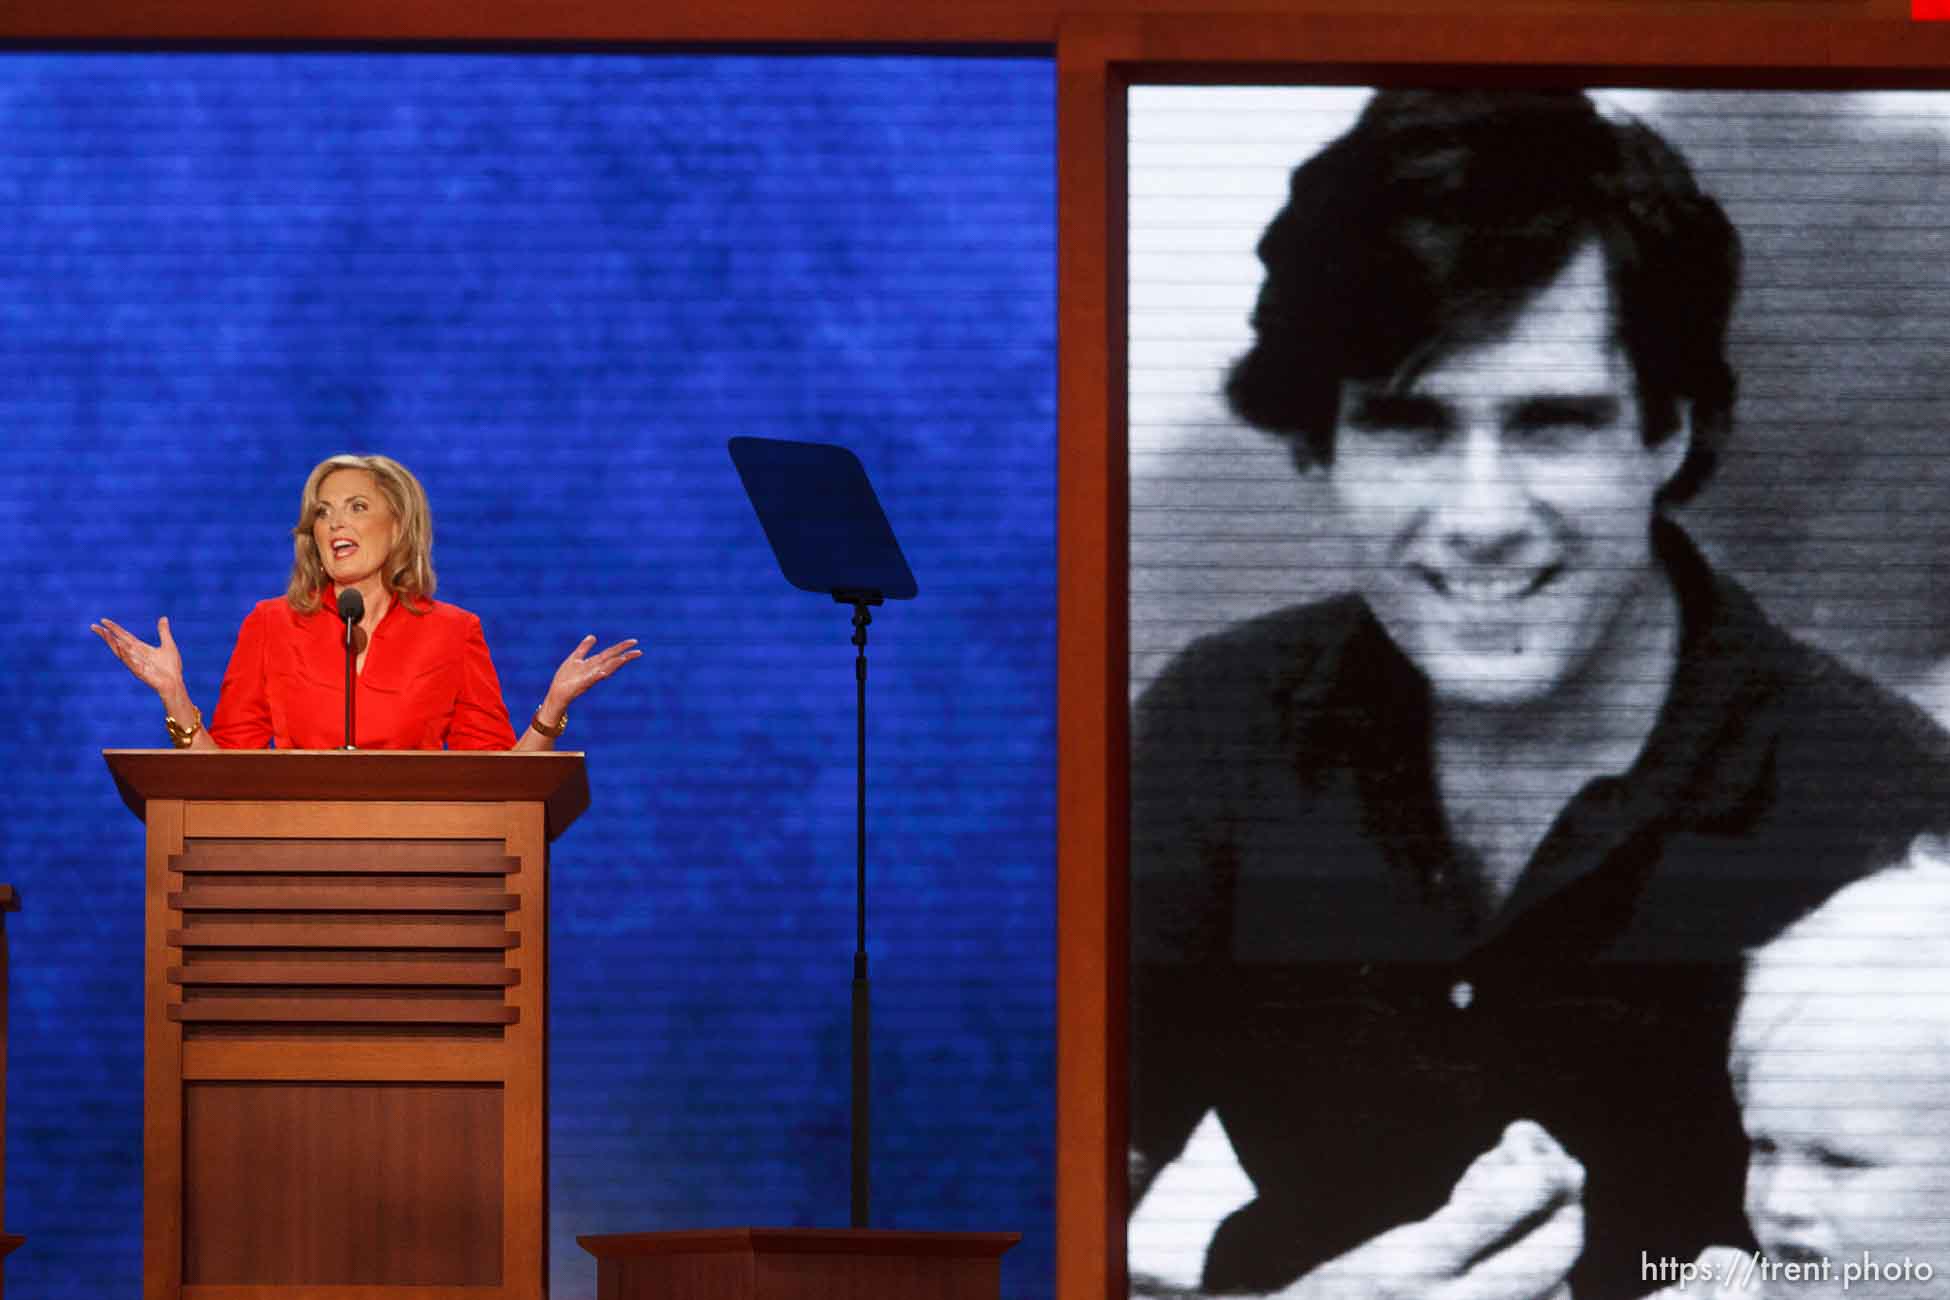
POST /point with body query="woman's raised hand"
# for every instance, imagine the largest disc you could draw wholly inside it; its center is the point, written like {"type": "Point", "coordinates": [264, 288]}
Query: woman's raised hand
{"type": "Point", "coordinates": [581, 670]}
{"type": "Point", "coordinates": [159, 666]}
{"type": "Point", "coordinates": [578, 673]}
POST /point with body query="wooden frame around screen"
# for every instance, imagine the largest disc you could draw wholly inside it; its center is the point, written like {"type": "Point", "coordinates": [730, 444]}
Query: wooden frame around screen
{"type": "Point", "coordinates": [1098, 59]}
{"type": "Point", "coordinates": [1098, 52]}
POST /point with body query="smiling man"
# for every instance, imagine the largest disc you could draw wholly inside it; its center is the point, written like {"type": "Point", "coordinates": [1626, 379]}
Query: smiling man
{"type": "Point", "coordinates": [1440, 888]}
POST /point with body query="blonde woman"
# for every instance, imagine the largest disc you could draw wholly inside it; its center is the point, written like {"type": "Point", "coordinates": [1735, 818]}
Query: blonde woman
{"type": "Point", "coordinates": [424, 677]}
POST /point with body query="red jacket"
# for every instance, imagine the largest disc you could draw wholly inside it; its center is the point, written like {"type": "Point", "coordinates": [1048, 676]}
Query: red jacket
{"type": "Point", "coordinates": [428, 682]}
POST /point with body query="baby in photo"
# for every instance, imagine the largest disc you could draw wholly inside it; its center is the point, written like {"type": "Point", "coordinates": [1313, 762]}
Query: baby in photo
{"type": "Point", "coordinates": [1841, 1064]}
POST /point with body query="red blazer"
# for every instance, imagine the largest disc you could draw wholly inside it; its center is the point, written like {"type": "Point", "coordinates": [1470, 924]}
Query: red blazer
{"type": "Point", "coordinates": [428, 682]}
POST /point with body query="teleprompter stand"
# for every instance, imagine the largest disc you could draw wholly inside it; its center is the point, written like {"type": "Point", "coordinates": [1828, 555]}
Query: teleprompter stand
{"type": "Point", "coordinates": [830, 536]}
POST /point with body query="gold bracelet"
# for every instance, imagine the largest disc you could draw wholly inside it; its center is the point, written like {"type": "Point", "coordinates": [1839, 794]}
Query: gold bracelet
{"type": "Point", "coordinates": [183, 734]}
{"type": "Point", "coordinates": [561, 724]}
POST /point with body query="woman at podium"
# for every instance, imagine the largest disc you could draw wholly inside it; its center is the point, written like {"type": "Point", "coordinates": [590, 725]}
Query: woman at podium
{"type": "Point", "coordinates": [424, 677]}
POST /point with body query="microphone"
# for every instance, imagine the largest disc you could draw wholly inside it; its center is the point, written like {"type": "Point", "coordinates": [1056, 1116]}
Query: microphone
{"type": "Point", "coordinates": [352, 608]}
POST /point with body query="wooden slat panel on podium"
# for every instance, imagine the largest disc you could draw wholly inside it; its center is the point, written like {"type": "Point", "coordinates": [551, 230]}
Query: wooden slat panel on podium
{"type": "Point", "coordinates": [345, 1021]}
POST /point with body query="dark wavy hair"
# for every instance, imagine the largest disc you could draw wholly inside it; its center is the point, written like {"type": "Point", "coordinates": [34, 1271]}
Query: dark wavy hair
{"type": "Point", "coordinates": [1431, 223]}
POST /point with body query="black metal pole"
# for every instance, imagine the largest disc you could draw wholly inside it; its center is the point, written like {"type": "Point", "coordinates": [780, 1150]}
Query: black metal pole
{"type": "Point", "coordinates": [862, 1037]}
{"type": "Point", "coordinates": [351, 653]}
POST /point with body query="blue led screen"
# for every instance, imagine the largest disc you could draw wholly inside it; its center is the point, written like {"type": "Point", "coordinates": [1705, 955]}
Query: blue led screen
{"type": "Point", "coordinates": [554, 284]}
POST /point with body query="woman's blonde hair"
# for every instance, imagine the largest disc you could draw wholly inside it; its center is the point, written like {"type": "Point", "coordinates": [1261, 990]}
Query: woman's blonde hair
{"type": "Point", "coordinates": [408, 570]}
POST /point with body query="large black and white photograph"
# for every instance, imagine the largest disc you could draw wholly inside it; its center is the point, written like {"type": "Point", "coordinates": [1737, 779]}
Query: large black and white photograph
{"type": "Point", "coordinates": [1539, 631]}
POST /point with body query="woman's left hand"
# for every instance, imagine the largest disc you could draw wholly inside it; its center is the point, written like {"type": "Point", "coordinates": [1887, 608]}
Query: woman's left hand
{"type": "Point", "coordinates": [581, 670]}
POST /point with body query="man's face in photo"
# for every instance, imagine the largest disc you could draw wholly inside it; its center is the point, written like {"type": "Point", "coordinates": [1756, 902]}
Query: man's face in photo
{"type": "Point", "coordinates": [1501, 499]}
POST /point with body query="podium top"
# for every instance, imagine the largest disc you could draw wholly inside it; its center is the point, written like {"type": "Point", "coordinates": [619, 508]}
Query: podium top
{"type": "Point", "coordinates": [558, 780]}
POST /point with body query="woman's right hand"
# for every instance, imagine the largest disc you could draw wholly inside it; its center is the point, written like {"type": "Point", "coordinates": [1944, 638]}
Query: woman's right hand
{"type": "Point", "coordinates": [159, 667]}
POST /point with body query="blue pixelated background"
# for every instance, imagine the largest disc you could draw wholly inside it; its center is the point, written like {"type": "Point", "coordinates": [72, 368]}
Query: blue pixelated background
{"type": "Point", "coordinates": [554, 284]}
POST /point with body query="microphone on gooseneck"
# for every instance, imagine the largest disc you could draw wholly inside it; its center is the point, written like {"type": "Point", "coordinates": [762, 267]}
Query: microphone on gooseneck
{"type": "Point", "coordinates": [352, 608]}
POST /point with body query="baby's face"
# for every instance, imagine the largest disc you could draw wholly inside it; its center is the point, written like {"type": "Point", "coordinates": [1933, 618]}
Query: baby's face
{"type": "Point", "coordinates": [1847, 1108]}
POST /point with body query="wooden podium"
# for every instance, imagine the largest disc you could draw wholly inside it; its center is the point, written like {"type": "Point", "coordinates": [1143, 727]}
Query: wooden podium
{"type": "Point", "coordinates": [345, 1021]}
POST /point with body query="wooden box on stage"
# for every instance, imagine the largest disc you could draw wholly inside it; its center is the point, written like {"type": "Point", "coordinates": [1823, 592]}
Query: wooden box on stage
{"type": "Point", "coordinates": [799, 1264]}
{"type": "Point", "coordinates": [345, 1021]}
